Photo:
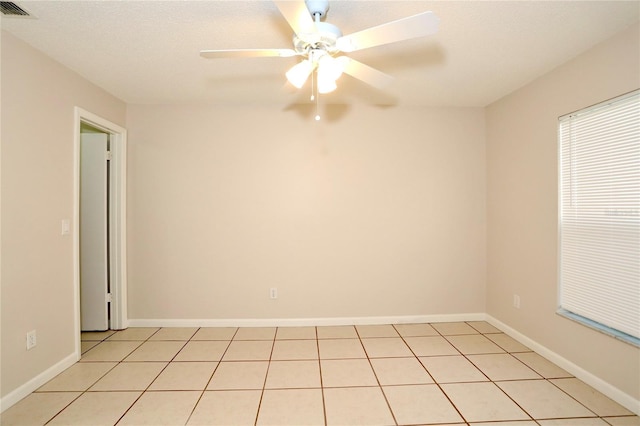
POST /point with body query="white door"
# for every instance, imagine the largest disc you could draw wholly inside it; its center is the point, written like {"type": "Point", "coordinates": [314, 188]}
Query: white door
{"type": "Point", "coordinates": [94, 267]}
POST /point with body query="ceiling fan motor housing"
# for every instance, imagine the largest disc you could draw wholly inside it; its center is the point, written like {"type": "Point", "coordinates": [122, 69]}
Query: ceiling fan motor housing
{"type": "Point", "coordinates": [319, 7]}
{"type": "Point", "coordinates": [325, 38]}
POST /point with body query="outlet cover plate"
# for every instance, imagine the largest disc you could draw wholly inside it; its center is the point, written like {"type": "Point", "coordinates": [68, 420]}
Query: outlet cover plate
{"type": "Point", "coordinates": [31, 339]}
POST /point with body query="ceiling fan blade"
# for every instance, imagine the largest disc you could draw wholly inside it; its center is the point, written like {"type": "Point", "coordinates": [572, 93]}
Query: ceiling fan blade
{"type": "Point", "coordinates": [247, 53]}
{"type": "Point", "coordinates": [297, 15]}
{"type": "Point", "coordinates": [364, 72]}
{"type": "Point", "coordinates": [419, 25]}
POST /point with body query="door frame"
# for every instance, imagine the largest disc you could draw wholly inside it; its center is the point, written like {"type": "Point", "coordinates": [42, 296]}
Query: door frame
{"type": "Point", "coordinates": [117, 220]}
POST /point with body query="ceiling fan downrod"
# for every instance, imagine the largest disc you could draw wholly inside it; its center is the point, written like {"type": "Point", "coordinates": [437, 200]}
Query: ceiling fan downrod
{"type": "Point", "coordinates": [317, 7]}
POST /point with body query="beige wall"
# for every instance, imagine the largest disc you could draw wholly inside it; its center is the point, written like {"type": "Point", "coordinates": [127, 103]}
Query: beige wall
{"type": "Point", "coordinates": [38, 100]}
{"type": "Point", "coordinates": [522, 206]}
{"type": "Point", "coordinates": [376, 212]}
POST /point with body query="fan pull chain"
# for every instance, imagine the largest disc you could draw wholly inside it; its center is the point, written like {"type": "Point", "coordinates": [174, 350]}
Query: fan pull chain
{"type": "Point", "coordinates": [317, 104]}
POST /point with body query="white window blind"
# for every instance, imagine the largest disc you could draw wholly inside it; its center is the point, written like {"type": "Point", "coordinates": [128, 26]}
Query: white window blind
{"type": "Point", "coordinates": [600, 215]}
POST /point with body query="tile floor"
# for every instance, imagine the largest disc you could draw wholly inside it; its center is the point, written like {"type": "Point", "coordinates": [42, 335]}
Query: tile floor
{"type": "Point", "coordinates": [413, 374]}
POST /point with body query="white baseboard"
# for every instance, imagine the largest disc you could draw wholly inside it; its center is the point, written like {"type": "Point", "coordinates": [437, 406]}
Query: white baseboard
{"type": "Point", "coordinates": [595, 382]}
{"type": "Point", "coordinates": [33, 384]}
{"type": "Point", "coordinates": [301, 322]}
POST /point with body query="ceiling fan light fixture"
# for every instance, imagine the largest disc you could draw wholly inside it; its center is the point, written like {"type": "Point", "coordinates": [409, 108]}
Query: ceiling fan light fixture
{"type": "Point", "coordinates": [331, 67]}
{"type": "Point", "coordinates": [299, 73]}
{"type": "Point", "coordinates": [326, 82]}
{"type": "Point", "coordinates": [329, 70]}
{"type": "Point", "coordinates": [326, 86]}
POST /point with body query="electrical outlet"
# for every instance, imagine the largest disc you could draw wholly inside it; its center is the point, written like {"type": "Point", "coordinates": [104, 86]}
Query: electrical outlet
{"type": "Point", "coordinates": [516, 301]}
{"type": "Point", "coordinates": [273, 293]}
{"type": "Point", "coordinates": [31, 339]}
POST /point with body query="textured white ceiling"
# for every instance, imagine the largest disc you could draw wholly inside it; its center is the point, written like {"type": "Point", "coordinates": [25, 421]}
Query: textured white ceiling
{"type": "Point", "coordinates": [147, 52]}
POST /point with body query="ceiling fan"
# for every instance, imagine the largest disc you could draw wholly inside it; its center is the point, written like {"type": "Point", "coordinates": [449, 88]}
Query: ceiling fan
{"type": "Point", "coordinates": [321, 44]}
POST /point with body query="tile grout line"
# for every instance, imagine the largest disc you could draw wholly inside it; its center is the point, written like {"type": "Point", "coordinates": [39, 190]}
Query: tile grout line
{"type": "Point", "coordinates": [324, 405]}
{"type": "Point", "coordinates": [465, 357]}
{"type": "Point", "coordinates": [264, 384]}
{"type": "Point", "coordinates": [393, 416]}
{"type": "Point", "coordinates": [119, 363]}
{"type": "Point", "coordinates": [82, 392]}
{"type": "Point", "coordinates": [164, 368]}
{"type": "Point", "coordinates": [488, 378]}
{"type": "Point", "coordinates": [541, 378]}
{"type": "Point", "coordinates": [92, 384]}
{"type": "Point", "coordinates": [212, 373]}
{"type": "Point", "coordinates": [154, 379]}
{"type": "Point", "coordinates": [431, 376]}
{"type": "Point", "coordinates": [111, 369]}
{"type": "Point", "coordinates": [575, 399]}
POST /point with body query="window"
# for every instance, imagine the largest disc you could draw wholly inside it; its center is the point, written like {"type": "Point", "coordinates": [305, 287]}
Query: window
{"type": "Point", "coordinates": [599, 229]}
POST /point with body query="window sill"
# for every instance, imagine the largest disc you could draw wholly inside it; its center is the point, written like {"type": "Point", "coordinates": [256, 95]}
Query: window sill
{"type": "Point", "coordinates": [627, 338]}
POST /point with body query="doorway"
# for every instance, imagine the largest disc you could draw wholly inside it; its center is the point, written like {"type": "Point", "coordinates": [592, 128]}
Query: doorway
{"type": "Point", "coordinates": [99, 225]}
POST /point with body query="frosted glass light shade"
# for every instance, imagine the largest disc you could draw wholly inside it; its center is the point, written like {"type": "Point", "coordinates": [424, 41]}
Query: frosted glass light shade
{"type": "Point", "coordinates": [299, 73]}
{"type": "Point", "coordinates": [330, 66]}
{"type": "Point", "coordinates": [326, 85]}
